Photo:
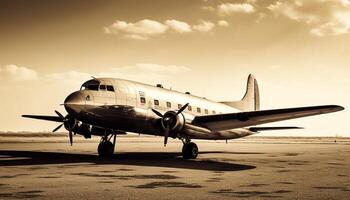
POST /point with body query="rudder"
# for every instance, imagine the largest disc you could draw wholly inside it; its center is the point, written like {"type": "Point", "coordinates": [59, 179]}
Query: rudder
{"type": "Point", "coordinates": [250, 100]}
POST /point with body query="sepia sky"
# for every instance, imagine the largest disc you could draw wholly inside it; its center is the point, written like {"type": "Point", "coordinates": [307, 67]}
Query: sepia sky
{"type": "Point", "coordinates": [298, 51]}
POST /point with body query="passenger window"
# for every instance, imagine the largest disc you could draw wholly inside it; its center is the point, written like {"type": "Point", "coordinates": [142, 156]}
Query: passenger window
{"type": "Point", "coordinates": [179, 106]}
{"type": "Point", "coordinates": [214, 112]}
{"type": "Point", "coordinates": [199, 110]}
{"type": "Point", "coordinates": [143, 99]}
{"type": "Point", "coordinates": [189, 108]}
{"type": "Point", "coordinates": [156, 102]}
{"type": "Point", "coordinates": [110, 88]}
{"type": "Point", "coordinates": [206, 111]}
{"type": "Point", "coordinates": [102, 87]}
{"type": "Point", "coordinates": [168, 104]}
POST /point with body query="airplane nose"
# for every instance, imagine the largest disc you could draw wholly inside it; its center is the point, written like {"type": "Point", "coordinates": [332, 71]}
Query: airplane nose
{"type": "Point", "coordinates": [75, 102]}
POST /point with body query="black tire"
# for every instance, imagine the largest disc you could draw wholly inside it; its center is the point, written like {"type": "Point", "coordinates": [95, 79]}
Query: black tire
{"type": "Point", "coordinates": [190, 151]}
{"type": "Point", "coordinates": [105, 149]}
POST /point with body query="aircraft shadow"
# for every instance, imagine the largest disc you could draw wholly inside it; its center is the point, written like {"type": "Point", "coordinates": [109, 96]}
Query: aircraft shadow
{"type": "Point", "coordinates": [154, 159]}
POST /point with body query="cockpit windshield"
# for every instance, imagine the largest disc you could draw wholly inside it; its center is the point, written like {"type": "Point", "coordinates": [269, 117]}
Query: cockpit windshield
{"type": "Point", "coordinates": [96, 85]}
{"type": "Point", "coordinates": [90, 85]}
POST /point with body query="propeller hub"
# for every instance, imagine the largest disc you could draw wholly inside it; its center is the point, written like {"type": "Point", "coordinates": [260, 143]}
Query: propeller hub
{"type": "Point", "coordinates": [69, 122]}
{"type": "Point", "coordinates": [171, 121]}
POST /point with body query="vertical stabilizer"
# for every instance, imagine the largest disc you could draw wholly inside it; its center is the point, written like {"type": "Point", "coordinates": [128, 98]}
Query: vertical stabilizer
{"type": "Point", "coordinates": [250, 100]}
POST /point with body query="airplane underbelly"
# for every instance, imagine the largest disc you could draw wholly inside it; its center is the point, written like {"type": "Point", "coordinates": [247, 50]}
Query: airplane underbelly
{"type": "Point", "coordinates": [120, 117]}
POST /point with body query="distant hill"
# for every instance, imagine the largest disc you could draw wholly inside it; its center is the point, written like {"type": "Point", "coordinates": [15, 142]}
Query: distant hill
{"type": "Point", "coordinates": [32, 134]}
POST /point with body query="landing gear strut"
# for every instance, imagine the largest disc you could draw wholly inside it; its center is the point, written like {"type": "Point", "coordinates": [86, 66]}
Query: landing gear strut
{"type": "Point", "coordinates": [106, 147]}
{"type": "Point", "coordinates": [189, 149]}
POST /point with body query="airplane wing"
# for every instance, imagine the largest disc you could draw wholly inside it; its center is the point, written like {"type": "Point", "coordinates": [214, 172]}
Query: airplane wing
{"type": "Point", "coordinates": [244, 119]}
{"type": "Point", "coordinates": [44, 117]}
{"type": "Point", "coordinates": [273, 128]}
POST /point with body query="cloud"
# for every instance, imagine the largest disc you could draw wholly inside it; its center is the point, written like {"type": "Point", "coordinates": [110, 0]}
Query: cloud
{"type": "Point", "coordinates": [147, 67]}
{"type": "Point", "coordinates": [223, 23]}
{"type": "Point", "coordinates": [204, 26]}
{"type": "Point", "coordinates": [178, 26]}
{"type": "Point", "coordinates": [138, 30]}
{"type": "Point", "coordinates": [142, 72]}
{"type": "Point", "coordinates": [136, 37]}
{"type": "Point", "coordinates": [324, 18]}
{"type": "Point", "coordinates": [18, 73]}
{"type": "Point", "coordinates": [144, 29]}
{"type": "Point", "coordinates": [229, 8]}
{"type": "Point", "coordinates": [261, 16]}
{"type": "Point", "coordinates": [208, 8]}
{"type": "Point", "coordinates": [69, 75]}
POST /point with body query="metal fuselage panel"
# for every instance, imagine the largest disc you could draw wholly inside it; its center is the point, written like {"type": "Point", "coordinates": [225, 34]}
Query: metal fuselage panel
{"type": "Point", "coordinates": [128, 109]}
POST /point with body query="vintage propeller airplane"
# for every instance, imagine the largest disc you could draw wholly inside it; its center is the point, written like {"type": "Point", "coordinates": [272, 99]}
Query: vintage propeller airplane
{"type": "Point", "coordinates": [107, 107]}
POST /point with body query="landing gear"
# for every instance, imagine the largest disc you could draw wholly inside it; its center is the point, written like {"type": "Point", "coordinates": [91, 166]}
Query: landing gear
{"type": "Point", "coordinates": [106, 148]}
{"type": "Point", "coordinates": [189, 149]}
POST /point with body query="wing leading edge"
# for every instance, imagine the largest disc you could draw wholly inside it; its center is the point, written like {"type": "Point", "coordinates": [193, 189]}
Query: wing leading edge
{"type": "Point", "coordinates": [245, 119]}
{"type": "Point", "coordinates": [44, 117]}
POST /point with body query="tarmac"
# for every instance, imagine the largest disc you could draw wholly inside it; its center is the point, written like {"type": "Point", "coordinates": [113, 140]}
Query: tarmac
{"type": "Point", "coordinates": [250, 168]}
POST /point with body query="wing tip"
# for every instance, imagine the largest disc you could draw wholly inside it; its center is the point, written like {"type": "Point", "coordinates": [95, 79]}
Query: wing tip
{"type": "Point", "coordinates": [337, 108]}
{"type": "Point", "coordinates": [341, 108]}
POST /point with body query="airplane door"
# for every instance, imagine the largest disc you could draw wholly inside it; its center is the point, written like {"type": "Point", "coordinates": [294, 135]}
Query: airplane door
{"type": "Point", "coordinates": [121, 94]}
{"type": "Point", "coordinates": [110, 94]}
{"type": "Point", "coordinates": [131, 95]}
{"type": "Point", "coordinates": [106, 94]}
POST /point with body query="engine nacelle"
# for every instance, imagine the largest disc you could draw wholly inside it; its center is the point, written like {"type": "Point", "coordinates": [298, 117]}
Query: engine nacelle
{"type": "Point", "coordinates": [175, 123]}
{"type": "Point", "coordinates": [70, 123]}
{"type": "Point", "coordinates": [83, 129]}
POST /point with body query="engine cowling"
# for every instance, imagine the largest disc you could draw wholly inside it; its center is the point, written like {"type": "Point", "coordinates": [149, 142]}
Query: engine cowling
{"type": "Point", "coordinates": [174, 121]}
{"type": "Point", "coordinates": [83, 129]}
{"type": "Point", "coordinates": [70, 123]}
{"type": "Point", "coordinates": [171, 121]}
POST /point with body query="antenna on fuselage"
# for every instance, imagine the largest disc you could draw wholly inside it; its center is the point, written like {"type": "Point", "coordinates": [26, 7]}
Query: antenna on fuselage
{"type": "Point", "coordinates": [93, 77]}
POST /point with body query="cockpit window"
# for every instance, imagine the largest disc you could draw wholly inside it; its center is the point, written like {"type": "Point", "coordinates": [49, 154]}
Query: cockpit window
{"type": "Point", "coordinates": [95, 84]}
{"type": "Point", "coordinates": [92, 87]}
{"type": "Point", "coordinates": [110, 88]}
{"type": "Point", "coordinates": [102, 87]}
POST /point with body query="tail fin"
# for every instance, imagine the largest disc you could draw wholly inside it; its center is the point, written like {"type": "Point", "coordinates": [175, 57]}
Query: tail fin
{"type": "Point", "coordinates": [251, 99]}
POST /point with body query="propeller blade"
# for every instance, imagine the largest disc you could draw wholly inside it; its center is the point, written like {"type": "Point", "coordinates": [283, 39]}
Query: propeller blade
{"type": "Point", "coordinates": [58, 127]}
{"type": "Point", "coordinates": [70, 138]}
{"type": "Point", "coordinates": [166, 135]}
{"type": "Point", "coordinates": [59, 114]}
{"type": "Point", "coordinates": [157, 113]}
{"type": "Point", "coordinates": [182, 109]}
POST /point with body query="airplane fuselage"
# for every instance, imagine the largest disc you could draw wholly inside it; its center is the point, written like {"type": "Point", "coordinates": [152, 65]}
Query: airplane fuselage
{"type": "Point", "coordinates": [127, 106]}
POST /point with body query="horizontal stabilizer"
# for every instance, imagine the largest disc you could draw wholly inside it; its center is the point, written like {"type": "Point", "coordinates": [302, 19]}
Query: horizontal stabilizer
{"type": "Point", "coordinates": [257, 129]}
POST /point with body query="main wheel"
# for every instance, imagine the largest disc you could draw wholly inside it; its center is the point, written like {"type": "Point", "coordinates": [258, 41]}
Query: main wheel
{"type": "Point", "coordinates": [190, 151]}
{"type": "Point", "coordinates": [105, 149]}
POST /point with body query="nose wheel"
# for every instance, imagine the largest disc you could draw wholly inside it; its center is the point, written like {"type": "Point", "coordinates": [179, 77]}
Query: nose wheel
{"type": "Point", "coordinates": [189, 151]}
{"type": "Point", "coordinates": [106, 147]}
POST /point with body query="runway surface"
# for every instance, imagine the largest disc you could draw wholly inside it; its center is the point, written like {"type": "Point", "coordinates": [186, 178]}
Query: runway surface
{"type": "Point", "coordinates": [253, 168]}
